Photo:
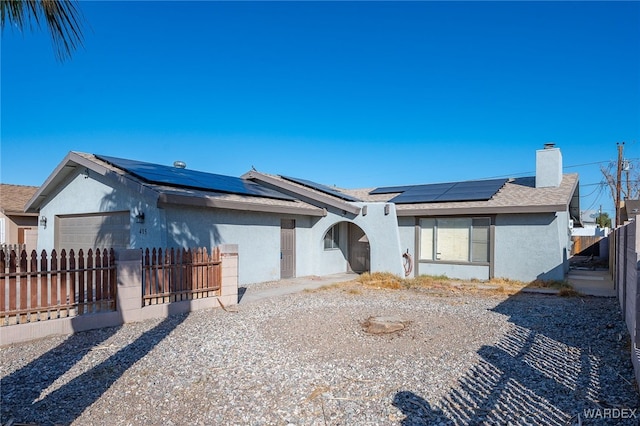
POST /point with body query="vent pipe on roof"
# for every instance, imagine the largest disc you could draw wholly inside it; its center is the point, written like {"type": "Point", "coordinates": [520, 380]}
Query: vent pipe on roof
{"type": "Point", "coordinates": [179, 164]}
{"type": "Point", "coordinates": [548, 166]}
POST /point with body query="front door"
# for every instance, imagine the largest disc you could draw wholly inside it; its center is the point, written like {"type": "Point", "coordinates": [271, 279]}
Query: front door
{"type": "Point", "coordinates": [287, 248]}
{"type": "Point", "coordinates": [359, 256]}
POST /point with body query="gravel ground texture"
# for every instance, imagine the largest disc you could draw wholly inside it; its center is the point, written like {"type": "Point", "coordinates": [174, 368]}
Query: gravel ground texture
{"type": "Point", "coordinates": [305, 359]}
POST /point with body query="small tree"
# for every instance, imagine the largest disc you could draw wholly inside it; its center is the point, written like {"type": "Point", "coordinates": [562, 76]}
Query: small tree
{"type": "Point", "coordinates": [629, 182]}
{"type": "Point", "coordinates": [603, 220]}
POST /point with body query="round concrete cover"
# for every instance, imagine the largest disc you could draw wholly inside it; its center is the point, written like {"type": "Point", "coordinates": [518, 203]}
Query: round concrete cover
{"type": "Point", "coordinates": [382, 325]}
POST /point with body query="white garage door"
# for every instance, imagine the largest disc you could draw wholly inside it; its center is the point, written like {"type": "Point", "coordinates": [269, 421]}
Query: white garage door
{"type": "Point", "coordinates": [110, 230]}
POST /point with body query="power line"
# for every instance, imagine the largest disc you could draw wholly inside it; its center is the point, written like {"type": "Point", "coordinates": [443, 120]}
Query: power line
{"type": "Point", "coordinates": [596, 199]}
{"type": "Point", "coordinates": [510, 175]}
{"type": "Point", "coordinates": [585, 164]}
{"type": "Point", "coordinates": [589, 195]}
{"type": "Point", "coordinates": [597, 162]}
{"type": "Point", "coordinates": [564, 167]}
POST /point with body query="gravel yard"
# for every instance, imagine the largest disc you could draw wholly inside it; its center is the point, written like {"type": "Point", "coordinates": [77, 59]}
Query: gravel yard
{"type": "Point", "coordinates": [305, 359]}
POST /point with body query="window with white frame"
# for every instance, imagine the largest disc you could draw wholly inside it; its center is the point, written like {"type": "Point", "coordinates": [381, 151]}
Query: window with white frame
{"type": "Point", "coordinates": [332, 237]}
{"type": "Point", "coordinates": [460, 239]}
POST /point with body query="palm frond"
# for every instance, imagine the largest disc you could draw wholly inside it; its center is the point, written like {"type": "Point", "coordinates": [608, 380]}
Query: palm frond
{"type": "Point", "coordinates": [62, 17]}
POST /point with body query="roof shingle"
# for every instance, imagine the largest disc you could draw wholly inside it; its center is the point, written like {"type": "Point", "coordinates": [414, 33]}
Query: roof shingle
{"type": "Point", "coordinates": [13, 198]}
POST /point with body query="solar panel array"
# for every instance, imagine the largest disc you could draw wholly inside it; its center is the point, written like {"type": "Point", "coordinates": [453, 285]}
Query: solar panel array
{"type": "Point", "coordinates": [185, 178]}
{"type": "Point", "coordinates": [322, 188]}
{"type": "Point", "coordinates": [390, 189]}
{"type": "Point", "coordinates": [478, 190]}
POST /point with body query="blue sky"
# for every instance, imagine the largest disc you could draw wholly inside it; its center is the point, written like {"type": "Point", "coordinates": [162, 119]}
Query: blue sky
{"type": "Point", "coordinates": [359, 94]}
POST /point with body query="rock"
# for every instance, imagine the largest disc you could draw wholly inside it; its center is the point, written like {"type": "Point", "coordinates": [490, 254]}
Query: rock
{"type": "Point", "coordinates": [384, 325]}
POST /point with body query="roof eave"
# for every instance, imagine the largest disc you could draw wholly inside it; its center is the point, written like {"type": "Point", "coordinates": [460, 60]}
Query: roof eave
{"type": "Point", "coordinates": [18, 213]}
{"type": "Point", "coordinates": [64, 169]}
{"type": "Point", "coordinates": [67, 166]}
{"type": "Point", "coordinates": [212, 202]}
{"type": "Point", "coordinates": [426, 211]}
{"type": "Point", "coordinates": [302, 192]}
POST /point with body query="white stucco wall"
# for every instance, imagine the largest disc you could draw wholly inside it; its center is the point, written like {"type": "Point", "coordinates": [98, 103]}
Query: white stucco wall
{"type": "Point", "coordinates": [381, 230]}
{"type": "Point", "coordinates": [328, 261]}
{"type": "Point", "coordinates": [83, 194]}
{"type": "Point", "coordinates": [384, 237]}
{"type": "Point", "coordinates": [590, 231]}
{"type": "Point", "coordinates": [461, 272]}
{"type": "Point", "coordinates": [407, 232]}
{"type": "Point", "coordinates": [256, 234]}
{"type": "Point", "coordinates": [526, 247]}
{"type": "Point", "coordinates": [304, 259]}
{"type": "Point", "coordinates": [531, 246]}
{"type": "Point", "coordinates": [258, 238]}
{"type": "Point", "coordinates": [548, 168]}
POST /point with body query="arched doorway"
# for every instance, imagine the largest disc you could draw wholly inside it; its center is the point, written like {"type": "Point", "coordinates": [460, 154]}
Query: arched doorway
{"type": "Point", "coordinates": [359, 251]}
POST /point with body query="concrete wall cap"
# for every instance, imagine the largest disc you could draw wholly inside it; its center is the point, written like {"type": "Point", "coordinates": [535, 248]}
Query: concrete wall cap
{"type": "Point", "coordinates": [228, 248]}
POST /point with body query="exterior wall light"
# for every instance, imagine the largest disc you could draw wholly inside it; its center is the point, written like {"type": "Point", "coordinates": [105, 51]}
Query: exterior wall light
{"type": "Point", "coordinates": [140, 217]}
{"type": "Point", "coordinates": [386, 209]}
{"type": "Point", "coordinates": [364, 210]}
{"type": "Point", "coordinates": [43, 222]}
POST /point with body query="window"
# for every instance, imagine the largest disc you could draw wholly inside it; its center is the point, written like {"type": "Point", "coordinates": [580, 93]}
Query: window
{"type": "Point", "coordinates": [480, 240]}
{"type": "Point", "coordinates": [332, 238]}
{"type": "Point", "coordinates": [455, 239]}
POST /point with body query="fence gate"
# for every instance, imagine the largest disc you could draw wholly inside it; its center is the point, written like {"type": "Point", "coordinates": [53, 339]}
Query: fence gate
{"type": "Point", "coordinates": [175, 275]}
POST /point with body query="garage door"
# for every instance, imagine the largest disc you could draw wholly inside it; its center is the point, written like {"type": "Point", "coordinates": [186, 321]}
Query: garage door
{"type": "Point", "coordinates": [93, 231]}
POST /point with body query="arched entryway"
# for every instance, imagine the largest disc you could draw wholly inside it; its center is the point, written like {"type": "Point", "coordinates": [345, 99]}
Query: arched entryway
{"type": "Point", "coordinates": [358, 249]}
{"type": "Point", "coordinates": [346, 249]}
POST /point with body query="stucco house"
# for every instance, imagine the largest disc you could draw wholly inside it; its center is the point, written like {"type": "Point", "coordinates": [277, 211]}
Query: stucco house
{"type": "Point", "coordinates": [17, 228]}
{"type": "Point", "coordinates": [286, 226]}
{"type": "Point", "coordinates": [630, 209]}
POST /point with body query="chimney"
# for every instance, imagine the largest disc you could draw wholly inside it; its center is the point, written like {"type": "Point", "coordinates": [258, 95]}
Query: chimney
{"type": "Point", "coordinates": [548, 166]}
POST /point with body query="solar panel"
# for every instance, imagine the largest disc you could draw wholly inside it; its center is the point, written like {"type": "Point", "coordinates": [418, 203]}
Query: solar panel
{"type": "Point", "coordinates": [389, 190]}
{"type": "Point", "coordinates": [321, 188]}
{"type": "Point", "coordinates": [471, 191]}
{"type": "Point", "coordinates": [456, 191]}
{"type": "Point", "coordinates": [185, 178]}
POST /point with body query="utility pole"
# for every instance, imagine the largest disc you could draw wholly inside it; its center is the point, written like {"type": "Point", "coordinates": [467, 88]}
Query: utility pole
{"type": "Point", "coordinates": [626, 166]}
{"type": "Point", "coordinates": [618, 179]}
{"type": "Point", "coordinates": [600, 217]}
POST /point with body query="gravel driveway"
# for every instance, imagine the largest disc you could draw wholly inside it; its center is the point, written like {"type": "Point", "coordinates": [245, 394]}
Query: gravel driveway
{"type": "Point", "coordinates": [304, 359]}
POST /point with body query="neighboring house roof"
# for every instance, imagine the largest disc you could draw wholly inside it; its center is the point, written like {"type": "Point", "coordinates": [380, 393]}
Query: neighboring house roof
{"type": "Point", "coordinates": [589, 217]}
{"type": "Point", "coordinates": [166, 194]}
{"type": "Point", "coordinates": [630, 210]}
{"type": "Point", "coordinates": [13, 198]}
